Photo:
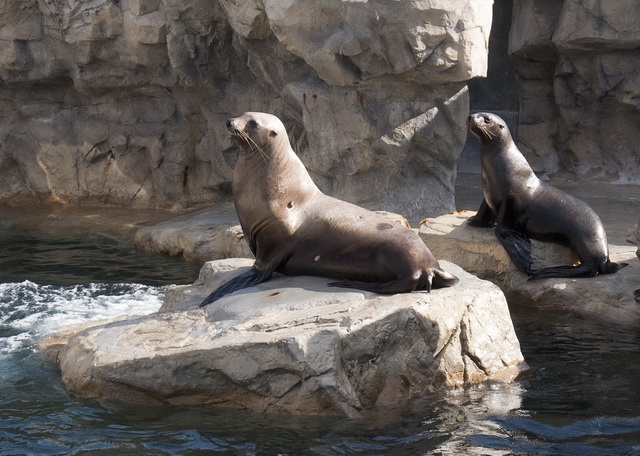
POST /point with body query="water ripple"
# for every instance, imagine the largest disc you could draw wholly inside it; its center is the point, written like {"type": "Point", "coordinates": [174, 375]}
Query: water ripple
{"type": "Point", "coordinates": [29, 311]}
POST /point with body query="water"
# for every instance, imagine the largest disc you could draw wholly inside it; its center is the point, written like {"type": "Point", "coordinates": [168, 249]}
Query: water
{"type": "Point", "coordinates": [581, 395]}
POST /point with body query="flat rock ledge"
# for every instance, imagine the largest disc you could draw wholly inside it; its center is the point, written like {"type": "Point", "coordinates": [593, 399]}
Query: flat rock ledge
{"type": "Point", "coordinates": [208, 235]}
{"type": "Point", "coordinates": [294, 345]}
{"type": "Point", "coordinates": [608, 298]}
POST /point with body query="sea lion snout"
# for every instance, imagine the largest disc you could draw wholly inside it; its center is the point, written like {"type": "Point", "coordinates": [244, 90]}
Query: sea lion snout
{"type": "Point", "coordinates": [232, 125]}
{"type": "Point", "coordinates": [478, 119]}
{"type": "Point", "coordinates": [473, 123]}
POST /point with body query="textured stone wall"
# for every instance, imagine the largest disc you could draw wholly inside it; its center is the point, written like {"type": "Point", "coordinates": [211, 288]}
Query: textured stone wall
{"type": "Point", "coordinates": [580, 91]}
{"type": "Point", "coordinates": [123, 102]}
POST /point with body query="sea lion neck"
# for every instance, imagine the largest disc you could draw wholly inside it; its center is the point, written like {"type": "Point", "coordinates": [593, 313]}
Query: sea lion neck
{"type": "Point", "coordinates": [497, 143]}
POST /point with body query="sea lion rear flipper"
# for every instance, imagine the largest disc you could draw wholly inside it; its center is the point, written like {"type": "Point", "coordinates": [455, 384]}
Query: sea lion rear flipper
{"type": "Point", "coordinates": [245, 280]}
{"type": "Point", "coordinates": [584, 269]}
{"type": "Point", "coordinates": [399, 285]}
{"type": "Point", "coordinates": [403, 284]}
{"type": "Point", "coordinates": [581, 270]}
{"type": "Point", "coordinates": [518, 247]}
{"type": "Point", "coordinates": [442, 278]}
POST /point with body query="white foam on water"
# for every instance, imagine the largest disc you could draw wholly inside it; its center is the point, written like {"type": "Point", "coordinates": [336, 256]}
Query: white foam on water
{"type": "Point", "coordinates": [29, 311]}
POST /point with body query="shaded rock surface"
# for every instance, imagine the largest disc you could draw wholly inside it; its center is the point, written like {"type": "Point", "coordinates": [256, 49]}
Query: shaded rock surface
{"type": "Point", "coordinates": [577, 60]}
{"type": "Point", "coordinates": [294, 345]}
{"type": "Point", "coordinates": [124, 102]}
{"type": "Point", "coordinates": [477, 250]}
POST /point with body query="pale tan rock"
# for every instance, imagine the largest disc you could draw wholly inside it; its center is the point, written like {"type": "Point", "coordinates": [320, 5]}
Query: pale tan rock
{"type": "Point", "coordinates": [598, 25]}
{"type": "Point", "coordinates": [437, 42]}
{"type": "Point", "coordinates": [293, 345]}
{"type": "Point", "coordinates": [475, 250]}
{"type": "Point", "coordinates": [213, 274]}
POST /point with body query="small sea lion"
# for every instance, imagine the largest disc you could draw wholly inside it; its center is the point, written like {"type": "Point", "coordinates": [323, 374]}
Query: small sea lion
{"type": "Point", "coordinates": [522, 207]}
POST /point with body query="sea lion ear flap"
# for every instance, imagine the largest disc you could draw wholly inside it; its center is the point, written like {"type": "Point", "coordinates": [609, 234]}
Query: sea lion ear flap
{"type": "Point", "coordinates": [273, 134]}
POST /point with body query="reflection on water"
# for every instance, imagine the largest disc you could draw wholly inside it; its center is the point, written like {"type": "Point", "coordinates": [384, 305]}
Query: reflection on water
{"type": "Point", "coordinates": [83, 257]}
{"type": "Point", "coordinates": [581, 395]}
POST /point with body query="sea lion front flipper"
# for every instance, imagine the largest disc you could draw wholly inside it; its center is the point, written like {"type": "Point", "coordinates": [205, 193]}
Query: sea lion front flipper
{"type": "Point", "coordinates": [518, 247]}
{"type": "Point", "coordinates": [245, 280]}
{"type": "Point", "coordinates": [485, 217]}
{"type": "Point", "coordinates": [442, 279]}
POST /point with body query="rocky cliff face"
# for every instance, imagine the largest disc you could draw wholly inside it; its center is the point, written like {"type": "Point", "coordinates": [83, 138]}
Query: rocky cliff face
{"type": "Point", "coordinates": [124, 101]}
{"type": "Point", "coordinates": [579, 104]}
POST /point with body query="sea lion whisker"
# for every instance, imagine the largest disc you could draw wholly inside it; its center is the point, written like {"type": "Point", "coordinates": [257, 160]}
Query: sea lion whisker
{"type": "Point", "coordinates": [253, 145]}
{"type": "Point", "coordinates": [487, 134]}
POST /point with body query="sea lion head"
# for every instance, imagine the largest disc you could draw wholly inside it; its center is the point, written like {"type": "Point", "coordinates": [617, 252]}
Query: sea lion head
{"type": "Point", "coordinates": [488, 127]}
{"type": "Point", "coordinates": [257, 131]}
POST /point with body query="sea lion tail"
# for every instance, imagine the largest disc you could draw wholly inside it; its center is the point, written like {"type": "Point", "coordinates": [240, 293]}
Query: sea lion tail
{"type": "Point", "coordinates": [245, 280]}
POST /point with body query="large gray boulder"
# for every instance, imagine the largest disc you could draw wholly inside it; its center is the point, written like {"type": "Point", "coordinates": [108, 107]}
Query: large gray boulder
{"type": "Point", "coordinates": [294, 345]}
{"type": "Point", "coordinates": [124, 102]}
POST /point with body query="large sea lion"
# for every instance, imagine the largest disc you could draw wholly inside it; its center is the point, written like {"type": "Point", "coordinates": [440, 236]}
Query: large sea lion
{"type": "Point", "coordinates": [522, 208]}
{"type": "Point", "coordinates": [293, 228]}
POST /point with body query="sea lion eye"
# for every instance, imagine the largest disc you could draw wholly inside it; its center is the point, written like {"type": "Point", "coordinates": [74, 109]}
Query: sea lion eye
{"type": "Point", "coordinates": [487, 120]}
{"type": "Point", "coordinates": [273, 134]}
{"type": "Point", "coordinates": [252, 124]}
